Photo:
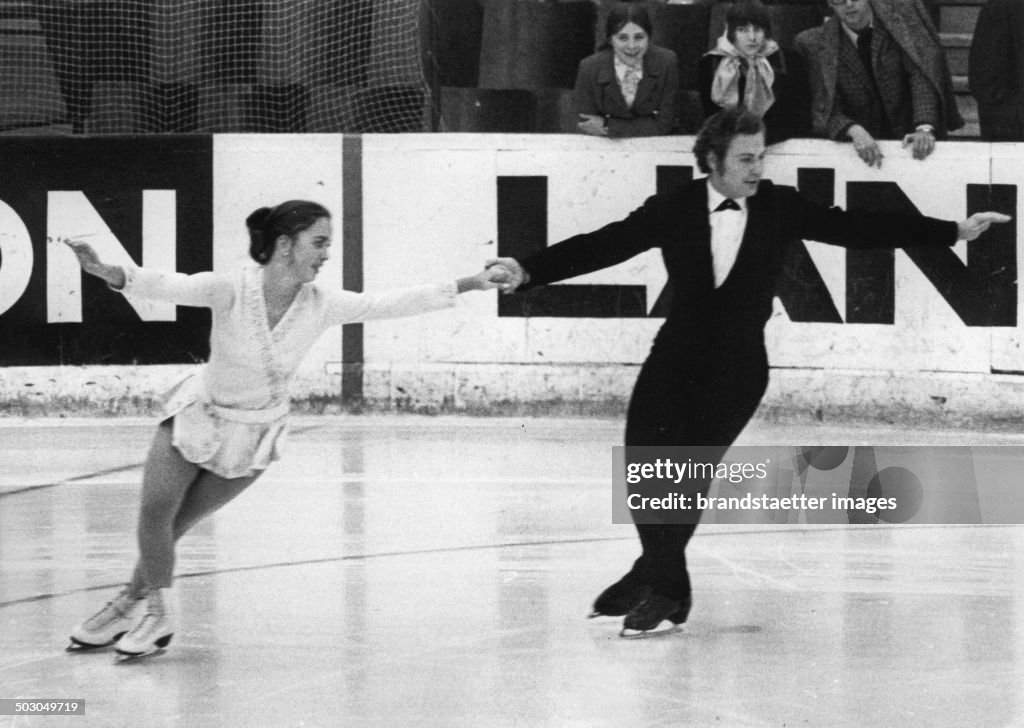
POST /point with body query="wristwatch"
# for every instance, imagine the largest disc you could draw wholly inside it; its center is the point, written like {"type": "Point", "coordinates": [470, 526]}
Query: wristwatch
{"type": "Point", "coordinates": [926, 128]}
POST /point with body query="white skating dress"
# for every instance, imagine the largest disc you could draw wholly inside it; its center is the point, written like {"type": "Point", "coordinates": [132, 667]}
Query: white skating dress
{"type": "Point", "coordinates": [230, 416]}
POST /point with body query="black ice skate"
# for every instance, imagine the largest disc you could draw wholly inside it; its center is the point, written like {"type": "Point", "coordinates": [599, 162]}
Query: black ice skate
{"type": "Point", "coordinates": [655, 615]}
{"type": "Point", "coordinates": [618, 599]}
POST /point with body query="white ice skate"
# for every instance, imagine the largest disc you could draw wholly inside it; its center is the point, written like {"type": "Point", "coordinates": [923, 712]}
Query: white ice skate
{"type": "Point", "coordinates": [105, 627]}
{"type": "Point", "coordinates": [153, 632]}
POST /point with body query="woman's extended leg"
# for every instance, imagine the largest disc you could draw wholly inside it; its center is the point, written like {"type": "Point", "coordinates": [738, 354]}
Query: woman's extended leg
{"type": "Point", "coordinates": [167, 512]}
{"type": "Point", "coordinates": [166, 479]}
{"type": "Point", "coordinates": [176, 494]}
{"type": "Point", "coordinates": [206, 493]}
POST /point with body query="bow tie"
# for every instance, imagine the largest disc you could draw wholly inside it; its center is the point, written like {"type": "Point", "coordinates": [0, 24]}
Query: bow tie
{"type": "Point", "coordinates": [727, 204]}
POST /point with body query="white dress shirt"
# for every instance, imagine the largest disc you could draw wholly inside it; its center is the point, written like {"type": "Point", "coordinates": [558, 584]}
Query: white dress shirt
{"type": "Point", "coordinates": [727, 227]}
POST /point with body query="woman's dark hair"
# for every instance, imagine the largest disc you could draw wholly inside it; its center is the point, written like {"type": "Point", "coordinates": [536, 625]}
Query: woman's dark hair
{"type": "Point", "coordinates": [719, 130]}
{"type": "Point", "coordinates": [748, 12]}
{"type": "Point", "coordinates": [621, 15]}
{"type": "Point", "coordinates": [289, 218]}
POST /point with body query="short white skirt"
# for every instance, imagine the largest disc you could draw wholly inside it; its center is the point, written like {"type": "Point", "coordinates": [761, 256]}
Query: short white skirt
{"type": "Point", "coordinates": [231, 443]}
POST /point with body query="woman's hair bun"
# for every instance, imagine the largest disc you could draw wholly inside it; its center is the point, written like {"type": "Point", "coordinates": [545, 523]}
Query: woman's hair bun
{"type": "Point", "coordinates": [258, 218]}
{"type": "Point", "coordinates": [256, 222]}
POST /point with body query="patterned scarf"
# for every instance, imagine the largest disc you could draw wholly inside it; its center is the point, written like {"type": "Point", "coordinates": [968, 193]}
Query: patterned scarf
{"type": "Point", "coordinates": [758, 96]}
{"type": "Point", "coordinates": [630, 79]}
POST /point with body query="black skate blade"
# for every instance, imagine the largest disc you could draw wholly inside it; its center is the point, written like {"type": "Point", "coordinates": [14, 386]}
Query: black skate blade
{"type": "Point", "coordinates": [123, 658]}
{"type": "Point", "coordinates": [77, 646]}
{"type": "Point", "coordinates": [159, 647]}
{"type": "Point", "coordinates": [666, 627]}
{"type": "Point", "coordinates": [602, 617]}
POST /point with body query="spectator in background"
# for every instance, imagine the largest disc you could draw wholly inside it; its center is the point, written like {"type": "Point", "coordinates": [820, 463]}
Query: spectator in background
{"type": "Point", "coordinates": [629, 87]}
{"type": "Point", "coordinates": [877, 71]}
{"type": "Point", "coordinates": [996, 70]}
{"type": "Point", "coordinates": [747, 68]}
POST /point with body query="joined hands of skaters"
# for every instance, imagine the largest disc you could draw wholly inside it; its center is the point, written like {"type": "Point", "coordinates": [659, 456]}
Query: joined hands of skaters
{"type": "Point", "coordinates": [509, 274]}
{"type": "Point", "coordinates": [485, 280]}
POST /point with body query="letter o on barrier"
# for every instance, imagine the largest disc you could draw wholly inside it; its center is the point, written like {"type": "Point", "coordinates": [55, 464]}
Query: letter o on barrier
{"type": "Point", "coordinates": [15, 257]}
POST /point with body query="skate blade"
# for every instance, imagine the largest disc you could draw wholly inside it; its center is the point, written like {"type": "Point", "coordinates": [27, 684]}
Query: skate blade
{"type": "Point", "coordinates": [79, 646]}
{"type": "Point", "coordinates": [75, 648]}
{"type": "Point", "coordinates": [666, 627]}
{"type": "Point", "coordinates": [123, 658]}
{"type": "Point", "coordinates": [602, 617]}
{"type": "Point", "coordinates": [158, 648]}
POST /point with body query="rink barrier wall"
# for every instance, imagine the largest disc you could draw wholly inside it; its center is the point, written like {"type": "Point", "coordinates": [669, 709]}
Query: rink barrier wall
{"type": "Point", "coordinates": [910, 333]}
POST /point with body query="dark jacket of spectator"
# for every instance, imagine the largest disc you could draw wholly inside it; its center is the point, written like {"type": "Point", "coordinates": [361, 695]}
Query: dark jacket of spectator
{"type": "Point", "coordinates": [996, 71]}
{"type": "Point", "coordinates": [912, 76]}
{"type": "Point", "coordinates": [789, 116]}
{"type": "Point", "coordinates": [653, 111]}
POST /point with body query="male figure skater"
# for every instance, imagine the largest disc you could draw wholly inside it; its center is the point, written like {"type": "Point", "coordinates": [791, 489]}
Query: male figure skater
{"type": "Point", "coordinates": [723, 239]}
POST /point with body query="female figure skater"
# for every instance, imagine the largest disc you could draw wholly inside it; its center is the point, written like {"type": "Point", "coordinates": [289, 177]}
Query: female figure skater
{"type": "Point", "coordinates": [224, 424]}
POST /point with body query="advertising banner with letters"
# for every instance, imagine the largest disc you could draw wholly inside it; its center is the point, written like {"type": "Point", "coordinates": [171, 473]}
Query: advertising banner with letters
{"type": "Point", "coordinates": [415, 208]}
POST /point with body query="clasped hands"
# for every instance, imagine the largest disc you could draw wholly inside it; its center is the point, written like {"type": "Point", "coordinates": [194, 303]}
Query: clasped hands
{"type": "Point", "coordinates": [592, 124]}
{"type": "Point", "coordinates": [507, 273]}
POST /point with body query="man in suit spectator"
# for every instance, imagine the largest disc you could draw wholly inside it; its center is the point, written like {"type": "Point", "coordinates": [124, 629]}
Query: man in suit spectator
{"type": "Point", "coordinates": [996, 70]}
{"type": "Point", "coordinates": [877, 71]}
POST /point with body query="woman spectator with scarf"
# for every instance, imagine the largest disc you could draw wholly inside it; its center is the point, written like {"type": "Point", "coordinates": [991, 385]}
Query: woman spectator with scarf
{"type": "Point", "coordinates": [748, 69]}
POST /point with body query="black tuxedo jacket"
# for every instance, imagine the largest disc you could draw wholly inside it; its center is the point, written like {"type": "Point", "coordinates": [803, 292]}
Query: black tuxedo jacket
{"type": "Point", "coordinates": [708, 324]}
{"type": "Point", "coordinates": [708, 370]}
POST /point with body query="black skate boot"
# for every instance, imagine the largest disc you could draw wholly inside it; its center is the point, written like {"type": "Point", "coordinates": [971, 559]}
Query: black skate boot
{"type": "Point", "coordinates": [657, 614]}
{"type": "Point", "coordinates": [622, 596]}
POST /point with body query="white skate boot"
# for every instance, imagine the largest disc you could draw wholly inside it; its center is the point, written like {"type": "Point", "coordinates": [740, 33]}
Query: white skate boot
{"type": "Point", "coordinates": [105, 627]}
{"type": "Point", "coordinates": [153, 632]}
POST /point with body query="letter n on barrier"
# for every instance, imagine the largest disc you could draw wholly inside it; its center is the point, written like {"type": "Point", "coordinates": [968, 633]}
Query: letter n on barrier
{"type": "Point", "coordinates": [982, 292]}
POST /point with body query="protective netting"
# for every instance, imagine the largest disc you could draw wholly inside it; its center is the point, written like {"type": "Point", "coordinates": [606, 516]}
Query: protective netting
{"type": "Point", "coordinates": [159, 66]}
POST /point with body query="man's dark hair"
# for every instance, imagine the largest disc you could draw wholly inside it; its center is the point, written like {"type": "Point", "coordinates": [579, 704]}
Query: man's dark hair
{"type": "Point", "coordinates": [719, 130]}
